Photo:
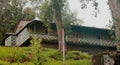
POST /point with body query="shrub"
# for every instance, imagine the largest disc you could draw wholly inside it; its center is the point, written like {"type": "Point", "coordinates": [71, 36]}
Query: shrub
{"type": "Point", "coordinates": [54, 63]}
{"type": "Point", "coordinates": [36, 46]}
{"type": "Point", "coordinates": [79, 62]}
{"type": "Point", "coordinates": [4, 62]}
{"type": "Point", "coordinates": [76, 55]}
{"type": "Point", "coordinates": [56, 55]}
{"type": "Point", "coordinates": [70, 56]}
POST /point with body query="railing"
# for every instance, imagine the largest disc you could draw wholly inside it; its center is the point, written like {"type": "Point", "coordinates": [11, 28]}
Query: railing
{"type": "Point", "coordinates": [81, 40]}
{"type": "Point", "coordinates": [93, 41]}
{"type": "Point", "coordinates": [45, 36]}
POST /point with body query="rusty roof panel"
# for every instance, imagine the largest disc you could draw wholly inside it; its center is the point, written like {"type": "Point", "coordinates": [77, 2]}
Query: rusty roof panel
{"type": "Point", "coordinates": [21, 25]}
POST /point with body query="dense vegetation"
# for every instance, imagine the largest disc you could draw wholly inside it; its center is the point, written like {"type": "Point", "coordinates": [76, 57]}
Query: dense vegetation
{"type": "Point", "coordinates": [35, 54]}
{"type": "Point", "coordinates": [26, 56]}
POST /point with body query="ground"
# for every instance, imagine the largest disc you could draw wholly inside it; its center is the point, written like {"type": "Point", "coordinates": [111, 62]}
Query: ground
{"type": "Point", "coordinates": [46, 56]}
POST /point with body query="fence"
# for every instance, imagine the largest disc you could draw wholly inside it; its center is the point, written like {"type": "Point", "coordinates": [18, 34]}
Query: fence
{"type": "Point", "coordinates": [80, 40]}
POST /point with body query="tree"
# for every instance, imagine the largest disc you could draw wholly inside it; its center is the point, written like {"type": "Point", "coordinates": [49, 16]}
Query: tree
{"type": "Point", "coordinates": [11, 12]}
{"type": "Point", "coordinates": [115, 9]}
{"type": "Point", "coordinates": [3, 5]}
{"type": "Point", "coordinates": [57, 11]}
{"type": "Point", "coordinates": [63, 17]}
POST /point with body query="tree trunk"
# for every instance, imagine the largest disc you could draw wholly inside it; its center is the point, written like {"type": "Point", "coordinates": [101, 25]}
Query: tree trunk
{"type": "Point", "coordinates": [57, 11]}
{"type": "Point", "coordinates": [115, 10]}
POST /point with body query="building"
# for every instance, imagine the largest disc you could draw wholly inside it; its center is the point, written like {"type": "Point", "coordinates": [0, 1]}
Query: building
{"type": "Point", "coordinates": [79, 35]}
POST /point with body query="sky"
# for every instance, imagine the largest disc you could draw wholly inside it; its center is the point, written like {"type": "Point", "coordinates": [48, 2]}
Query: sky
{"type": "Point", "coordinates": [102, 18]}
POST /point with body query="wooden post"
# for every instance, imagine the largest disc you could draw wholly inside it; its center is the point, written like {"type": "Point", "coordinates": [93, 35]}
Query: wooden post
{"type": "Point", "coordinates": [63, 47]}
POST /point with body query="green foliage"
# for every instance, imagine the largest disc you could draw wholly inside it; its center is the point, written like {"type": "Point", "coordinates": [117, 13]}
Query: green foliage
{"type": "Point", "coordinates": [36, 44]}
{"type": "Point", "coordinates": [54, 63]}
{"type": "Point", "coordinates": [111, 32]}
{"type": "Point", "coordinates": [25, 63]}
{"type": "Point", "coordinates": [70, 56]}
{"type": "Point", "coordinates": [8, 63]}
{"type": "Point", "coordinates": [46, 56]}
{"type": "Point", "coordinates": [77, 55]}
{"type": "Point", "coordinates": [19, 56]}
{"type": "Point", "coordinates": [79, 62]}
{"type": "Point", "coordinates": [71, 62]}
{"type": "Point", "coordinates": [5, 52]}
{"type": "Point", "coordinates": [4, 63]}
{"type": "Point", "coordinates": [47, 14]}
{"type": "Point", "coordinates": [12, 13]}
{"type": "Point", "coordinates": [54, 55]}
{"type": "Point", "coordinates": [14, 55]}
{"type": "Point", "coordinates": [57, 55]}
{"type": "Point", "coordinates": [29, 13]}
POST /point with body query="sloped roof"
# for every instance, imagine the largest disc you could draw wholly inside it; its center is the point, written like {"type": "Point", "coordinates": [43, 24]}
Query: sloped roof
{"type": "Point", "coordinates": [21, 25]}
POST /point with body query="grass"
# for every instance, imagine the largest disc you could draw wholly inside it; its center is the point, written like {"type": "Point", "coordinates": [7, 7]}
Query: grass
{"type": "Point", "coordinates": [16, 63]}
{"type": "Point", "coordinates": [25, 56]}
{"type": "Point", "coordinates": [70, 62]}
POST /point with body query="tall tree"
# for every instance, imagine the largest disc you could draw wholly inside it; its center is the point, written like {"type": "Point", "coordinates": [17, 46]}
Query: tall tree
{"type": "Point", "coordinates": [3, 5]}
{"type": "Point", "coordinates": [59, 13]}
{"type": "Point", "coordinates": [57, 7]}
{"type": "Point", "coordinates": [115, 9]}
{"type": "Point", "coordinates": [12, 12]}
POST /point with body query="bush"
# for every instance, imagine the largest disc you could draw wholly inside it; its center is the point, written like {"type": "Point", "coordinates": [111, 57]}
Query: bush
{"type": "Point", "coordinates": [76, 55]}
{"type": "Point", "coordinates": [79, 62]}
{"type": "Point", "coordinates": [54, 63]}
{"type": "Point", "coordinates": [70, 62]}
{"type": "Point", "coordinates": [36, 47]}
{"type": "Point", "coordinates": [56, 55]}
{"type": "Point", "coordinates": [70, 56]}
{"type": "Point", "coordinates": [21, 57]}
{"type": "Point", "coordinates": [46, 56]}
{"type": "Point", "coordinates": [4, 62]}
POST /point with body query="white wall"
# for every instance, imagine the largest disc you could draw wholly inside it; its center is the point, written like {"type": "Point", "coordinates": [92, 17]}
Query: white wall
{"type": "Point", "coordinates": [8, 41]}
{"type": "Point", "coordinates": [22, 37]}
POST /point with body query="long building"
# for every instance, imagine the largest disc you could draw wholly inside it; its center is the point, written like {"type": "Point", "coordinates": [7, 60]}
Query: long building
{"type": "Point", "coordinates": [79, 36]}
